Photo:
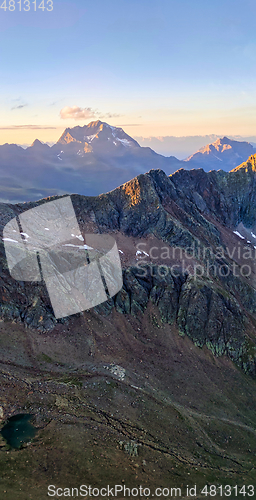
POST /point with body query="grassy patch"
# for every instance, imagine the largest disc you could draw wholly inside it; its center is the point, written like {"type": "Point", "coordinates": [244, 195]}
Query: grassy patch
{"type": "Point", "coordinates": [46, 358]}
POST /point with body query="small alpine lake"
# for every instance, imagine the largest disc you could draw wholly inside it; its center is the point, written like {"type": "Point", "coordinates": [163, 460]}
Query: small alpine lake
{"type": "Point", "coordinates": [18, 430]}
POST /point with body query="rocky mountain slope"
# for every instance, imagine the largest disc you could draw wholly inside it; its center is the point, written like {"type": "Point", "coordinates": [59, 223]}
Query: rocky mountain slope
{"type": "Point", "coordinates": [156, 385]}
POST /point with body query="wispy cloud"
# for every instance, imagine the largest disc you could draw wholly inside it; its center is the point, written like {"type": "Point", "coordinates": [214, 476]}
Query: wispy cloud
{"type": "Point", "coordinates": [110, 115]}
{"type": "Point", "coordinates": [19, 106]}
{"type": "Point", "coordinates": [131, 125]}
{"type": "Point", "coordinates": [28, 127]}
{"type": "Point", "coordinates": [77, 113]}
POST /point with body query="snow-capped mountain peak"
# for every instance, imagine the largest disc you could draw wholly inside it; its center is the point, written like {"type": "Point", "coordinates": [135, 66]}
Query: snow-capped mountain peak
{"type": "Point", "coordinates": [223, 150]}
{"type": "Point", "coordinates": [100, 136]}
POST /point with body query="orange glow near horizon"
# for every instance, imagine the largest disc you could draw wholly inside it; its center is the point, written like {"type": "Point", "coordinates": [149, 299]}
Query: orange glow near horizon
{"type": "Point", "coordinates": [157, 123]}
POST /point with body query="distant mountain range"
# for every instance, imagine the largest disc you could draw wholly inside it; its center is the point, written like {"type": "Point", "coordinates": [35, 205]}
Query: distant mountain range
{"type": "Point", "coordinates": [96, 158]}
{"type": "Point", "coordinates": [87, 160]}
{"type": "Point", "coordinates": [184, 146]}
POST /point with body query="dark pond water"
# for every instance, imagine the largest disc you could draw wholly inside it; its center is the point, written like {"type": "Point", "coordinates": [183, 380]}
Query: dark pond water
{"type": "Point", "coordinates": [18, 430]}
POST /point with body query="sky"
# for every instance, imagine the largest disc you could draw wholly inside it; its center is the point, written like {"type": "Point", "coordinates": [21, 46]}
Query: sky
{"type": "Point", "coordinates": [155, 68]}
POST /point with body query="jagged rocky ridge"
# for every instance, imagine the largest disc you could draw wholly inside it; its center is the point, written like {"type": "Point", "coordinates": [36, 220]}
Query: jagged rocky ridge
{"type": "Point", "coordinates": [188, 209]}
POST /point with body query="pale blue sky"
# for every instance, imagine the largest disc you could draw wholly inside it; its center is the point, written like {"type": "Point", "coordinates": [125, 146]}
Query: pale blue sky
{"type": "Point", "coordinates": [164, 67]}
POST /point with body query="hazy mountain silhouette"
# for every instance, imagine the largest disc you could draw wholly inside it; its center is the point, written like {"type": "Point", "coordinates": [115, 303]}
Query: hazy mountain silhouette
{"type": "Point", "coordinates": [97, 158]}
{"type": "Point", "coordinates": [184, 146]}
{"type": "Point", "coordinates": [86, 160]}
